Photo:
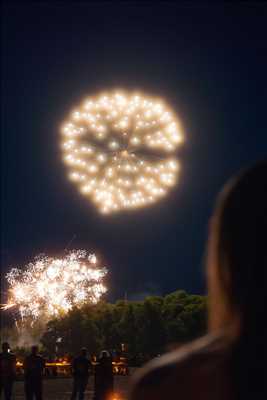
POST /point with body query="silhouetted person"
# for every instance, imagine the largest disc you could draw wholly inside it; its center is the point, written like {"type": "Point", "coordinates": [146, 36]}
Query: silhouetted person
{"type": "Point", "coordinates": [230, 362]}
{"type": "Point", "coordinates": [80, 370]}
{"type": "Point", "coordinates": [34, 366]}
{"type": "Point", "coordinates": [104, 377]}
{"type": "Point", "coordinates": [7, 371]}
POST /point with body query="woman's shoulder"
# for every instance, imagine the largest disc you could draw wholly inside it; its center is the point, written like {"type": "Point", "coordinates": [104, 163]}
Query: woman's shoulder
{"type": "Point", "coordinates": [186, 369]}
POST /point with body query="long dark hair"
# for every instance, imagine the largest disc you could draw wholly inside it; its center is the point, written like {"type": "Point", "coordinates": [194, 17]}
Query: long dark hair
{"type": "Point", "coordinates": [237, 277]}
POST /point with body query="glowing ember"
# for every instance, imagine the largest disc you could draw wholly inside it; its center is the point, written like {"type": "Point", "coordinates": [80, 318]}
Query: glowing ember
{"type": "Point", "coordinates": [120, 150]}
{"type": "Point", "coordinates": [50, 286]}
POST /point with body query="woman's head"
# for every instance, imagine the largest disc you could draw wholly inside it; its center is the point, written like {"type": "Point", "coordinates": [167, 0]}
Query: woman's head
{"type": "Point", "coordinates": [104, 354]}
{"type": "Point", "coordinates": [237, 253]}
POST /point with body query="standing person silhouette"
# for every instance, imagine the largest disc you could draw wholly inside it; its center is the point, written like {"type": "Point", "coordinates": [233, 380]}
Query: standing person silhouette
{"type": "Point", "coordinates": [33, 367]}
{"type": "Point", "coordinates": [104, 380]}
{"type": "Point", "coordinates": [230, 362]}
{"type": "Point", "coordinates": [7, 371]}
{"type": "Point", "coordinates": [80, 370]}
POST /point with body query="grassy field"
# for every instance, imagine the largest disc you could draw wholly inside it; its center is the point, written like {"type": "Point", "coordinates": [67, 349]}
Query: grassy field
{"type": "Point", "coordinates": [60, 389]}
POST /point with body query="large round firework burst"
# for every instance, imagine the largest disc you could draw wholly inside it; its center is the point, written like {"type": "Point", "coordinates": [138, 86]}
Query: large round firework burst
{"type": "Point", "coordinates": [49, 287]}
{"type": "Point", "coordinates": [120, 150]}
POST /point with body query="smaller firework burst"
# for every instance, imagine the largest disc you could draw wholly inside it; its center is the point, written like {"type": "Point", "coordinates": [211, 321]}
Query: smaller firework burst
{"type": "Point", "coordinates": [49, 287]}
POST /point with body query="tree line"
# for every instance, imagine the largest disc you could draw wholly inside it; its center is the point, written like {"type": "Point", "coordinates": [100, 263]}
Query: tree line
{"type": "Point", "coordinates": [142, 328]}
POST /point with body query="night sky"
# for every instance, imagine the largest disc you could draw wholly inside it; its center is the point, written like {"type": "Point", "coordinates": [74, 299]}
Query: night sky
{"type": "Point", "coordinates": [208, 62]}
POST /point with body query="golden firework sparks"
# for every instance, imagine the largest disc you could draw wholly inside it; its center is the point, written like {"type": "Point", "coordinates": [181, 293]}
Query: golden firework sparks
{"type": "Point", "coordinates": [119, 149]}
{"type": "Point", "coordinates": [7, 306]}
{"type": "Point", "coordinates": [50, 286]}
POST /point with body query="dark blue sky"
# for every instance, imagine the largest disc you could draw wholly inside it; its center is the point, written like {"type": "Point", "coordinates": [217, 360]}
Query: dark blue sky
{"type": "Point", "coordinates": [208, 61]}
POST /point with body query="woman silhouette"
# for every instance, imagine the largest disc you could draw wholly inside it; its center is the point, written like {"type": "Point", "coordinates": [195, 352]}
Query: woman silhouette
{"type": "Point", "coordinates": [230, 362]}
{"type": "Point", "coordinates": [104, 377]}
